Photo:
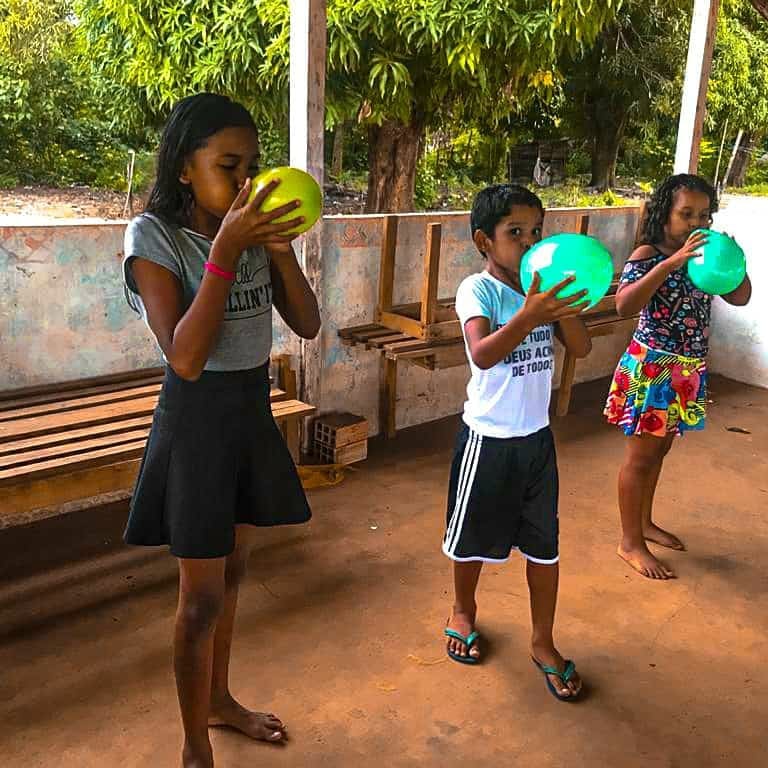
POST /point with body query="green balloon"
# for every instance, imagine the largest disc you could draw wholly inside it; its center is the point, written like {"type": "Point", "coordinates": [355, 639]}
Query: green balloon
{"type": "Point", "coordinates": [294, 185]}
{"type": "Point", "coordinates": [560, 256]}
{"type": "Point", "coordinates": [720, 265]}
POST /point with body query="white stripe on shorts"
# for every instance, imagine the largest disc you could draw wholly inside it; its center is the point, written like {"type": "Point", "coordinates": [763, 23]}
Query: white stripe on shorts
{"type": "Point", "coordinates": [469, 446]}
{"type": "Point", "coordinates": [462, 497]}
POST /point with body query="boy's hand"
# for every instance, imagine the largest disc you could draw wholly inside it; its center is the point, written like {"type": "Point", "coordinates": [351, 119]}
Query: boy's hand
{"type": "Point", "coordinates": [543, 307]}
{"type": "Point", "coordinates": [688, 251]}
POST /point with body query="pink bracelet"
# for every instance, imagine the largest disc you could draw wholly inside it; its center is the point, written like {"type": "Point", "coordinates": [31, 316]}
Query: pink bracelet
{"type": "Point", "coordinates": [216, 270]}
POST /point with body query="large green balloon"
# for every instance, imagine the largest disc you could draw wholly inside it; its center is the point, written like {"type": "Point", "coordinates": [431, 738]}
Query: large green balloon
{"type": "Point", "coordinates": [561, 256]}
{"type": "Point", "coordinates": [720, 265]}
{"type": "Point", "coordinates": [294, 185]}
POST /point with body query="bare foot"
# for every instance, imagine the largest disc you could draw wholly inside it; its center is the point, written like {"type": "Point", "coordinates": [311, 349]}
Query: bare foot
{"type": "Point", "coordinates": [464, 624]}
{"type": "Point", "coordinates": [261, 726]}
{"type": "Point", "coordinates": [549, 656]}
{"type": "Point", "coordinates": [645, 563]}
{"type": "Point", "coordinates": [663, 538]}
{"type": "Point", "coordinates": [197, 756]}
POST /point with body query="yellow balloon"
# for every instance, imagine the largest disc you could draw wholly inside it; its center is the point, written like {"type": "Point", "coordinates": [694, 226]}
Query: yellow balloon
{"type": "Point", "coordinates": [294, 185]}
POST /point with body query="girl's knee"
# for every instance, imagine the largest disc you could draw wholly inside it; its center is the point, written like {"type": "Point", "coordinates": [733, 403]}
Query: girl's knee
{"type": "Point", "coordinates": [199, 612]}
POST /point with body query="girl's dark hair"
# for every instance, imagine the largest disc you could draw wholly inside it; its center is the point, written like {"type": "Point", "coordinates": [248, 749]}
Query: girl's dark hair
{"type": "Point", "coordinates": [493, 203]}
{"type": "Point", "coordinates": [191, 123]}
{"type": "Point", "coordinates": [659, 206]}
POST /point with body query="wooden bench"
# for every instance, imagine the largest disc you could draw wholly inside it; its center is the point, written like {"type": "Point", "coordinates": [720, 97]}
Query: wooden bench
{"type": "Point", "coordinates": [82, 439]}
{"type": "Point", "coordinates": [427, 333]}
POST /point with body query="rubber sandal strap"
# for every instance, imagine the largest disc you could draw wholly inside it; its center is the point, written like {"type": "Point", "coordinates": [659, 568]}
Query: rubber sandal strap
{"type": "Point", "coordinates": [469, 641]}
{"type": "Point", "coordinates": [565, 675]}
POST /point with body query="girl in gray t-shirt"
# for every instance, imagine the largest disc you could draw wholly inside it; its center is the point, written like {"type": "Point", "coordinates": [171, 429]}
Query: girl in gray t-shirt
{"type": "Point", "coordinates": [204, 267]}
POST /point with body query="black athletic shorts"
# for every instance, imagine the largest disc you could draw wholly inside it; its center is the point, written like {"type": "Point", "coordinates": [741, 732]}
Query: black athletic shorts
{"type": "Point", "coordinates": [503, 495]}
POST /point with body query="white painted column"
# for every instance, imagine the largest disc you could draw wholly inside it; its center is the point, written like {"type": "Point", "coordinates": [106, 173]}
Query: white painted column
{"type": "Point", "coordinates": [307, 126]}
{"type": "Point", "coordinates": [697, 70]}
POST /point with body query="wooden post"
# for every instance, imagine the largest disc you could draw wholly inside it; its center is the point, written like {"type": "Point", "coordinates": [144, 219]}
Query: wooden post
{"type": "Point", "coordinates": [569, 361]}
{"type": "Point", "coordinates": [388, 397]}
{"type": "Point", "coordinates": [431, 275]}
{"type": "Point", "coordinates": [387, 267]}
{"type": "Point", "coordinates": [307, 132]}
{"type": "Point", "coordinates": [734, 152]}
{"type": "Point", "coordinates": [697, 70]}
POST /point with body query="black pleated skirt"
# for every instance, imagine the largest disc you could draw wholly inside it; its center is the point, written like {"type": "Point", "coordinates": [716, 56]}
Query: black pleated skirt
{"type": "Point", "coordinates": [214, 459]}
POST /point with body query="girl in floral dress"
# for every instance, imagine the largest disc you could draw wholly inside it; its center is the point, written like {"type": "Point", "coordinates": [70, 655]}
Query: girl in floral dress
{"type": "Point", "coordinates": [659, 389]}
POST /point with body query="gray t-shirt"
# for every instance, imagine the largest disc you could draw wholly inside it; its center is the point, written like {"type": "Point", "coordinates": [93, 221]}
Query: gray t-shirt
{"type": "Point", "coordinates": [245, 338]}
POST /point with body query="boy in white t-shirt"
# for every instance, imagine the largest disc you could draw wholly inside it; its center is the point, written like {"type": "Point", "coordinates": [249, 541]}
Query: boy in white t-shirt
{"type": "Point", "coordinates": [504, 487]}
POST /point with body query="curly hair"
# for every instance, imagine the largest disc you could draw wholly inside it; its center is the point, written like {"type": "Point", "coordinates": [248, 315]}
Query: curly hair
{"type": "Point", "coordinates": [659, 206]}
{"type": "Point", "coordinates": [192, 122]}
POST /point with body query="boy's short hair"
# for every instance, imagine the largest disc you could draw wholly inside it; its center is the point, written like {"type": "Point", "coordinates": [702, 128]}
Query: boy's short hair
{"type": "Point", "coordinates": [493, 203]}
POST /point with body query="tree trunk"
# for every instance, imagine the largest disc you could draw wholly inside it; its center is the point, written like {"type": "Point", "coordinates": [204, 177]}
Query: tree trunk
{"type": "Point", "coordinates": [743, 158]}
{"type": "Point", "coordinates": [761, 6]}
{"type": "Point", "coordinates": [609, 126]}
{"type": "Point", "coordinates": [337, 161]}
{"type": "Point", "coordinates": [393, 151]}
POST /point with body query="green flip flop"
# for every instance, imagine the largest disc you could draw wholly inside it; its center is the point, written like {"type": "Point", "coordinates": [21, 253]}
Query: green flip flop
{"type": "Point", "coordinates": [469, 641]}
{"type": "Point", "coordinates": [565, 676]}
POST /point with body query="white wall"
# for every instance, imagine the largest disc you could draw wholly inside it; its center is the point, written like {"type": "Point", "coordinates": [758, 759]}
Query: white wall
{"type": "Point", "coordinates": [739, 344]}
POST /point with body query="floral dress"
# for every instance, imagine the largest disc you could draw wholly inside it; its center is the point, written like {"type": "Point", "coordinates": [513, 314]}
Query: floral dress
{"type": "Point", "coordinates": [660, 383]}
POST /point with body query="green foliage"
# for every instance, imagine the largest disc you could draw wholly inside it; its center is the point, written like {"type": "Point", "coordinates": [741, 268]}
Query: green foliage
{"type": "Point", "coordinates": [52, 131]}
{"type": "Point", "coordinates": [738, 88]}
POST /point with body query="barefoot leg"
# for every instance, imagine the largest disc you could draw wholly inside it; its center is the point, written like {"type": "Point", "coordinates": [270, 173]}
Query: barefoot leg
{"type": "Point", "coordinates": [465, 578]}
{"type": "Point", "coordinates": [651, 531]}
{"type": "Point", "coordinates": [542, 584]}
{"type": "Point", "coordinates": [201, 591]}
{"type": "Point", "coordinates": [643, 456]}
{"type": "Point", "coordinates": [225, 710]}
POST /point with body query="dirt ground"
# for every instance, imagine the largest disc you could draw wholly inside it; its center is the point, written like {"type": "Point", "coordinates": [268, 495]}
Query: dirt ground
{"type": "Point", "coordinates": [340, 623]}
{"type": "Point", "coordinates": [35, 204]}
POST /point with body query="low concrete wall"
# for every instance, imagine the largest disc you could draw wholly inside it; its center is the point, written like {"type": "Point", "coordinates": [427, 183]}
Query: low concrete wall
{"type": "Point", "coordinates": [64, 315]}
{"type": "Point", "coordinates": [351, 247]}
{"type": "Point", "coordinates": [739, 346]}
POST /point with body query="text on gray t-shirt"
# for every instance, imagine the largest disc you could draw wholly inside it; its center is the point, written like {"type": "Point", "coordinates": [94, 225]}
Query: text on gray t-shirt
{"type": "Point", "coordinates": [245, 337]}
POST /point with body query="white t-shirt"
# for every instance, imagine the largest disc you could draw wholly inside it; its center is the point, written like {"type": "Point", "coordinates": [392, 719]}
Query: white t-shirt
{"type": "Point", "coordinates": [511, 399]}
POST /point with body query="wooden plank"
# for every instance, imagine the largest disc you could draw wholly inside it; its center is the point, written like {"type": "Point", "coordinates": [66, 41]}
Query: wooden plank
{"type": "Point", "coordinates": [388, 397]}
{"type": "Point", "coordinates": [380, 341]}
{"type": "Point", "coordinates": [348, 333]}
{"type": "Point", "coordinates": [405, 346]}
{"type": "Point", "coordinates": [50, 453]}
{"type": "Point", "coordinates": [24, 401]}
{"type": "Point", "coordinates": [566, 384]}
{"type": "Point", "coordinates": [74, 436]}
{"type": "Point", "coordinates": [402, 324]}
{"type": "Point", "coordinates": [61, 406]}
{"type": "Point", "coordinates": [387, 263]}
{"type": "Point", "coordinates": [431, 275]}
{"type": "Point", "coordinates": [84, 417]}
{"type": "Point", "coordinates": [63, 488]}
{"type": "Point", "coordinates": [307, 62]}
{"type": "Point", "coordinates": [72, 463]}
{"type": "Point", "coordinates": [291, 409]}
{"type": "Point", "coordinates": [445, 331]}
{"type": "Point", "coordinates": [582, 224]}
{"type": "Point", "coordinates": [364, 338]}
{"type": "Point", "coordinates": [286, 378]}
{"type": "Point", "coordinates": [117, 380]}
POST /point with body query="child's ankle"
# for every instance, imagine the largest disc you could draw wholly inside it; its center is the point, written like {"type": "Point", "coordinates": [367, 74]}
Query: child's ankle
{"type": "Point", "coordinates": [468, 610]}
